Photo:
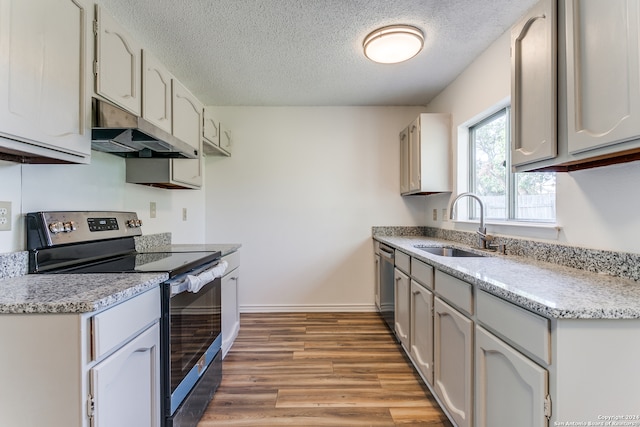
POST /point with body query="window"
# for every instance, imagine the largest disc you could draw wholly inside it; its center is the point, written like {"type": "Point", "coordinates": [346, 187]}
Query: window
{"type": "Point", "coordinates": [529, 196]}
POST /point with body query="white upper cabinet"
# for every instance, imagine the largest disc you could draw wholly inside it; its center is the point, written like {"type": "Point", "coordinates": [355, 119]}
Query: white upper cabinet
{"type": "Point", "coordinates": [216, 138]}
{"type": "Point", "coordinates": [404, 161]}
{"type": "Point", "coordinates": [211, 128]}
{"type": "Point", "coordinates": [156, 93]}
{"type": "Point", "coordinates": [187, 125]}
{"type": "Point", "coordinates": [415, 143]}
{"type": "Point", "coordinates": [117, 67]}
{"type": "Point", "coordinates": [44, 93]}
{"type": "Point", "coordinates": [533, 85]}
{"type": "Point", "coordinates": [603, 74]}
{"type": "Point", "coordinates": [187, 115]}
{"type": "Point", "coordinates": [598, 85]}
{"type": "Point", "coordinates": [226, 139]}
{"type": "Point", "coordinates": [425, 161]}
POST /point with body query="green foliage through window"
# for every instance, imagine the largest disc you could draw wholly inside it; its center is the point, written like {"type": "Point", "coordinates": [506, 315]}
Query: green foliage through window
{"type": "Point", "coordinates": [526, 196]}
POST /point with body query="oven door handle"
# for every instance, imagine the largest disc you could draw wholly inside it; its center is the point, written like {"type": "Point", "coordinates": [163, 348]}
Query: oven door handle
{"type": "Point", "coordinates": [193, 283]}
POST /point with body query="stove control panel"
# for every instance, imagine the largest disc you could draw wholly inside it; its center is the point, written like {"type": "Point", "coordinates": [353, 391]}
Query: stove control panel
{"type": "Point", "coordinates": [47, 229]}
{"type": "Point", "coordinates": [102, 224]}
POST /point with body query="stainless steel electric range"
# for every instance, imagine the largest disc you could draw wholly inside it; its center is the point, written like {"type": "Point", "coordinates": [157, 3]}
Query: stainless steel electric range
{"type": "Point", "coordinates": [104, 242]}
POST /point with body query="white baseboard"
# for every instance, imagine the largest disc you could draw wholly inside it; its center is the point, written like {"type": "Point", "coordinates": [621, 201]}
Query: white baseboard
{"type": "Point", "coordinates": [307, 308]}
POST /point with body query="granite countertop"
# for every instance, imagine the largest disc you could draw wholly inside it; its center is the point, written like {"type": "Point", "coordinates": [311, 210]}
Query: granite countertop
{"type": "Point", "coordinates": [72, 293]}
{"type": "Point", "coordinates": [81, 293]}
{"type": "Point", "coordinates": [545, 288]}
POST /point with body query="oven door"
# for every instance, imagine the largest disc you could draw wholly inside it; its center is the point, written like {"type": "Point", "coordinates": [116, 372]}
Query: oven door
{"type": "Point", "coordinates": [191, 338]}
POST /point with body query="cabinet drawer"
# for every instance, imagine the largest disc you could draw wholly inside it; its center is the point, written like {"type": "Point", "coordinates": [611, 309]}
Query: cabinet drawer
{"type": "Point", "coordinates": [116, 325]}
{"type": "Point", "coordinates": [456, 291]}
{"type": "Point", "coordinates": [517, 325]}
{"type": "Point", "coordinates": [403, 262]}
{"type": "Point", "coordinates": [234, 261]}
{"type": "Point", "coordinates": [422, 272]}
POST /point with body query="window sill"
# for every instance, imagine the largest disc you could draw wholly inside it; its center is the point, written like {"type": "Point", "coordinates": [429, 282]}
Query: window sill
{"type": "Point", "coordinates": [538, 230]}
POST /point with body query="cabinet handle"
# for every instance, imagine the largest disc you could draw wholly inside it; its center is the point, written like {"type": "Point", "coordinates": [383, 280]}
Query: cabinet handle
{"type": "Point", "coordinates": [529, 23]}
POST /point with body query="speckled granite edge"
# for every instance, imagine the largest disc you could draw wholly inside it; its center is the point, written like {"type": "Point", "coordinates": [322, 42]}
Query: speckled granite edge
{"type": "Point", "coordinates": [551, 290]}
{"type": "Point", "coordinates": [399, 231]}
{"type": "Point", "coordinates": [72, 293]}
{"type": "Point", "coordinates": [618, 264]}
{"type": "Point", "coordinates": [14, 264]}
{"type": "Point", "coordinates": [144, 243]}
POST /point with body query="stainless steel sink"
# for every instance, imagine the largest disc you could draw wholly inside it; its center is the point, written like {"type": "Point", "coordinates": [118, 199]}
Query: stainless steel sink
{"type": "Point", "coordinates": [448, 251]}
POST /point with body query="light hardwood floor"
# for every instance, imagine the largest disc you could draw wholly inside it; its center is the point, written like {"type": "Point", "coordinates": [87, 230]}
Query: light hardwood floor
{"type": "Point", "coordinates": [319, 369]}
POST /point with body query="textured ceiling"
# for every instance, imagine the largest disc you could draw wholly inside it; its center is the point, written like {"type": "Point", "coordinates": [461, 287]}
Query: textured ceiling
{"type": "Point", "coordinates": [309, 52]}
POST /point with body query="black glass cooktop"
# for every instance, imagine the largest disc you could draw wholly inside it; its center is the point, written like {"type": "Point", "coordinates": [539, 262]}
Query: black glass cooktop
{"type": "Point", "coordinates": [173, 263]}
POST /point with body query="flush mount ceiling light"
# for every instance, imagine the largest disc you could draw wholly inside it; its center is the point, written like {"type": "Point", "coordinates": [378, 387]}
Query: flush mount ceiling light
{"type": "Point", "coordinates": [393, 44]}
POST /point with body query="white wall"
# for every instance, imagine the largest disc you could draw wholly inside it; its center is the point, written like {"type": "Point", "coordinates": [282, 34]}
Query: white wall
{"type": "Point", "coordinates": [596, 208]}
{"type": "Point", "coordinates": [97, 186]}
{"type": "Point", "coordinates": [300, 193]}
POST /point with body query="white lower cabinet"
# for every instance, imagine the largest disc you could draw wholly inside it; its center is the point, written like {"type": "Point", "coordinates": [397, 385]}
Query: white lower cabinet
{"type": "Point", "coordinates": [453, 361]}
{"type": "Point", "coordinates": [492, 363]}
{"type": "Point", "coordinates": [230, 309]}
{"type": "Point", "coordinates": [125, 386]}
{"type": "Point", "coordinates": [402, 301]}
{"type": "Point", "coordinates": [98, 369]}
{"type": "Point", "coordinates": [510, 389]}
{"type": "Point", "coordinates": [422, 330]}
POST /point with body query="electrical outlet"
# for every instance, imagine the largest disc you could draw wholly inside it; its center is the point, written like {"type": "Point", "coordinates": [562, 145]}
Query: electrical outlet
{"type": "Point", "coordinates": [184, 214]}
{"type": "Point", "coordinates": [435, 214]}
{"type": "Point", "coordinates": [5, 216]}
{"type": "Point", "coordinates": [444, 214]}
{"type": "Point", "coordinates": [152, 209]}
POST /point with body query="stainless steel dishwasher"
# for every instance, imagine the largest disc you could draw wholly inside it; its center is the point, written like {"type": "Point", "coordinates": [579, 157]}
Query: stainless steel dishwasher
{"type": "Point", "coordinates": [387, 302]}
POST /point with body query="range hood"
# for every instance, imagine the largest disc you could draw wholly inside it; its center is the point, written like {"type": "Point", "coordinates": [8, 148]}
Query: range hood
{"type": "Point", "coordinates": [119, 132]}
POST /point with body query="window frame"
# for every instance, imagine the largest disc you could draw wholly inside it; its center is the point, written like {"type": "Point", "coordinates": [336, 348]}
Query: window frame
{"type": "Point", "coordinates": [510, 179]}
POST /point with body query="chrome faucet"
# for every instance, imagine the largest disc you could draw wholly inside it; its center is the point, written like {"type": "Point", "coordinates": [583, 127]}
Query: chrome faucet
{"type": "Point", "coordinates": [483, 238]}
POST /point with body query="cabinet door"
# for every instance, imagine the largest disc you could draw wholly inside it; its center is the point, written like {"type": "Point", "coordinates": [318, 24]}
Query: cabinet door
{"type": "Point", "coordinates": [510, 388]}
{"type": "Point", "coordinates": [533, 85]}
{"type": "Point", "coordinates": [422, 329]}
{"type": "Point", "coordinates": [187, 126]}
{"type": "Point", "coordinates": [603, 75]}
{"type": "Point", "coordinates": [44, 97]}
{"type": "Point", "coordinates": [226, 139]}
{"type": "Point", "coordinates": [211, 127]}
{"type": "Point", "coordinates": [187, 115]}
{"type": "Point", "coordinates": [156, 94]}
{"type": "Point", "coordinates": [126, 385]}
{"type": "Point", "coordinates": [404, 161]}
{"type": "Point", "coordinates": [414, 156]}
{"type": "Point", "coordinates": [402, 308]}
{"type": "Point", "coordinates": [230, 311]}
{"type": "Point", "coordinates": [453, 361]}
{"type": "Point", "coordinates": [118, 70]}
